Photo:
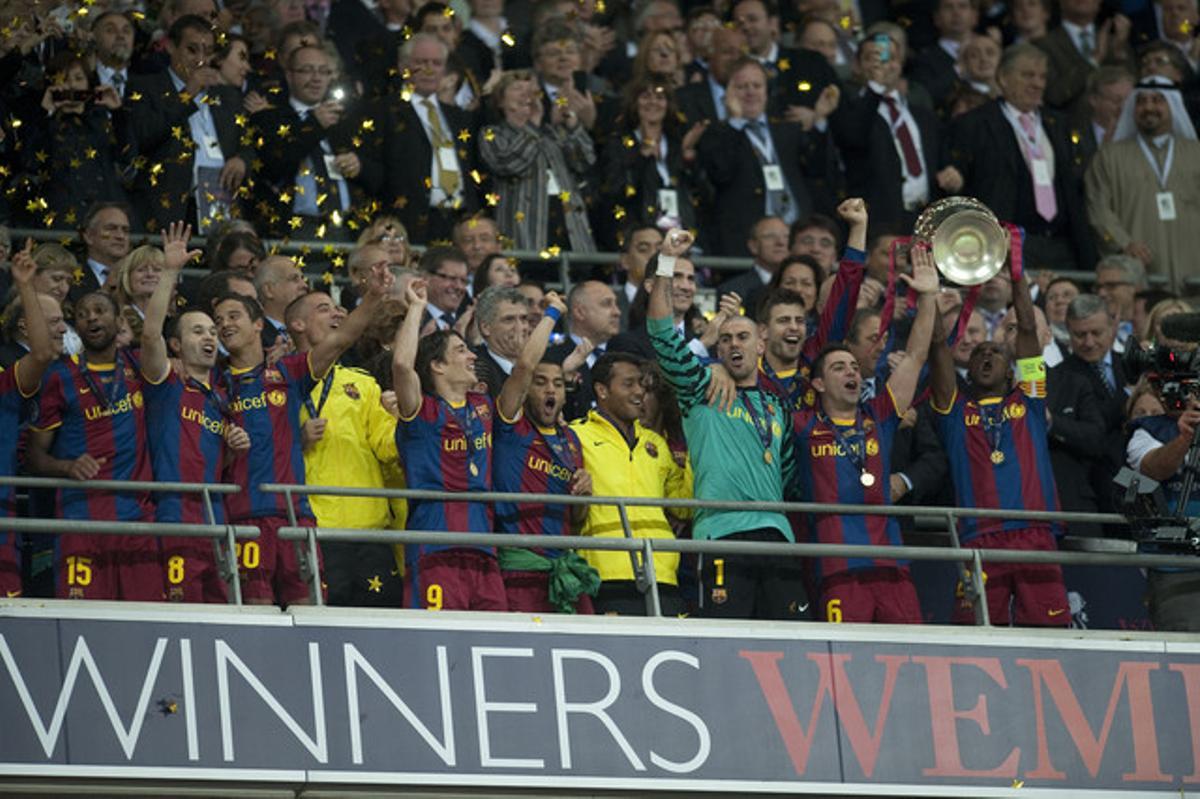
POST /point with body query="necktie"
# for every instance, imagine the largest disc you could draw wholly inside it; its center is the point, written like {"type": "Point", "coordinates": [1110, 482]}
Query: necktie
{"type": "Point", "coordinates": [912, 161]}
{"type": "Point", "coordinates": [1087, 44]}
{"type": "Point", "coordinates": [307, 191]}
{"type": "Point", "coordinates": [447, 181]}
{"type": "Point", "coordinates": [118, 83]}
{"type": "Point", "coordinates": [1043, 195]}
{"type": "Point", "coordinates": [1106, 377]}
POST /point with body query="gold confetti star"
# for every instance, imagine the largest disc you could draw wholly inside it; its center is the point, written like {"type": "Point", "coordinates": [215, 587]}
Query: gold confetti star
{"type": "Point", "coordinates": [564, 196]}
{"type": "Point", "coordinates": [784, 64]}
{"type": "Point", "coordinates": [327, 278]}
{"type": "Point", "coordinates": [493, 199]}
{"type": "Point", "coordinates": [295, 222]}
{"type": "Point", "coordinates": [240, 120]}
{"type": "Point", "coordinates": [476, 176]}
{"type": "Point", "coordinates": [519, 216]}
{"type": "Point", "coordinates": [464, 135]}
{"type": "Point", "coordinates": [628, 142]}
{"type": "Point", "coordinates": [489, 134]}
{"type": "Point", "coordinates": [804, 86]}
{"type": "Point", "coordinates": [508, 39]}
{"type": "Point", "coordinates": [89, 153]}
{"type": "Point", "coordinates": [135, 96]}
{"type": "Point", "coordinates": [375, 584]}
{"type": "Point", "coordinates": [618, 212]}
{"type": "Point", "coordinates": [630, 191]}
{"type": "Point", "coordinates": [284, 131]}
{"type": "Point", "coordinates": [560, 101]}
{"type": "Point", "coordinates": [368, 124]}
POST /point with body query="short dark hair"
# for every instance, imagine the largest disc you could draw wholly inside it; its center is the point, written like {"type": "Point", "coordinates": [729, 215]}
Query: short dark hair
{"type": "Point", "coordinates": [603, 368]}
{"type": "Point", "coordinates": [433, 258]}
{"type": "Point", "coordinates": [432, 348]}
{"type": "Point", "coordinates": [856, 321]}
{"type": "Point", "coordinates": [770, 6]}
{"type": "Point", "coordinates": [428, 10]}
{"type": "Point", "coordinates": [172, 327]}
{"type": "Point", "coordinates": [216, 285]}
{"type": "Point", "coordinates": [1153, 296]}
{"type": "Point", "coordinates": [94, 210]}
{"type": "Point", "coordinates": [232, 242]}
{"type": "Point", "coordinates": [818, 365]}
{"type": "Point", "coordinates": [775, 298]}
{"type": "Point", "coordinates": [819, 221]}
{"type": "Point", "coordinates": [253, 309]}
{"type": "Point", "coordinates": [107, 295]}
{"type": "Point", "coordinates": [189, 22]}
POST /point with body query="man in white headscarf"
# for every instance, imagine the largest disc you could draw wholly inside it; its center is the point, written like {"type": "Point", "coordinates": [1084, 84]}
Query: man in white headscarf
{"type": "Point", "coordinates": [1143, 188]}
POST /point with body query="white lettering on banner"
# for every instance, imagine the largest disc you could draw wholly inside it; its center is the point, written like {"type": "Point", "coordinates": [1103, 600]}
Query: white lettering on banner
{"type": "Point", "coordinates": [189, 697]}
{"type": "Point", "coordinates": [318, 747]}
{"type": "Point", "coordinates": [562, 707]}
{"type": "Point", "coordinates": [705, 744]}
{"type": "Point", "coordinates": [356, 662]}
{"type": "Point", "coordinates": [82, 656]}
{"type": "Point", "coordinates": [483, 707]}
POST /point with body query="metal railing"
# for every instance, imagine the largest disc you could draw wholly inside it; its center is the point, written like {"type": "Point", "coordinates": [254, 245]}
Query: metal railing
{"type": "Point", "coordinates": [565, 259]}
{"type": "Point", "coordinates": [970, 560]}
{"type": "Point", "coordinates": [221, 534]}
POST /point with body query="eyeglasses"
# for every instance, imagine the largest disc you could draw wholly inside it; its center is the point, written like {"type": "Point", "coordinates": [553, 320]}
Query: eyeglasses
{"type": "Point", "coordinates": [309, 71]}
{"type": "Point", "coordinates": [462, 281]}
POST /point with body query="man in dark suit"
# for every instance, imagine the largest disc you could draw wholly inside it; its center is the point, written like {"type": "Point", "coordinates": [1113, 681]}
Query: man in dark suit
{"type": "Point", "coordinates": [760, 169]}
{"type": "Point", "coordinates": [1020, 161]}
{"type": "Point", "coordinates": [353, 27]}
{"type": "Point", "coordinates": [1093, 362]}
{"type": "Point", "coordinates": [797, 78]}
{"type": "Point", "coordinates": [768, 245]}
{"type": "Point", "coordinates": [705, 100]}
{"type": "Point", "coordinates": [105, 234]}
{"type": "Point", "coordinates": [190, 154]}
{"type": "Point", "coordinates": [1107, 88]}
{"type": "Point", "coordinates": [321, 161]}
{"type": "Point", "coordinates": [428, 155]}
{"type": "Point", "coordinates": [936, 67]}
{"type": "Point", "coordinates": [890, 147]}
{"type": "Point", "coordinates": [113, 37]}
{"type": "Point", "coordinates": [637, 340]}
{"type": "Point", "coordinates": [1077, 46]}
{"type": "Point", "coordinates": [594, 319]}
{"type": "Point", "coordinates": [501, 312]}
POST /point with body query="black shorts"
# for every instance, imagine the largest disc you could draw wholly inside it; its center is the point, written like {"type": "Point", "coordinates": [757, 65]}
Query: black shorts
{"type": "Point", "coordinates": [622, 598]}
{"type": "Point", "coordinates": [753, 587]}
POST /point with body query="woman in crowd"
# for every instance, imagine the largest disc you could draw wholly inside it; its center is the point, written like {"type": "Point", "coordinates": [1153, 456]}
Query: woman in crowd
{"type": "Point", "coordinates": [494, 270]}
{"type": "Point", "coordinates": [388, 232]}
{"type": "Point", "coordinates": [137, 275]}
{"type": "Point", "coordinates": [233, 63]}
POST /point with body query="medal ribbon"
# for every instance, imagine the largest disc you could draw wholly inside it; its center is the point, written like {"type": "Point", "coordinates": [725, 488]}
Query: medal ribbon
{"type": "Point", "coordinates": [466, 421]}
{"type": "Point", "coordinates": [762, 426]}
{"type": "Point", "coordinates": [993, 426]}
{"type": "Point", "coordinates": [109, 396]}
{"type": "Point", "coordinates": [565, 455]}
{"type": "Point", "coordinates": [855, 443]}
{"type": "Point", "coordinates": [314, 411]}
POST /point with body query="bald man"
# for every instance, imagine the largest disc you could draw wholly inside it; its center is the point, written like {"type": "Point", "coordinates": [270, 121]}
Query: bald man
{"type": "Point", "coordinates": [278, 282]}
{"type": "Point", "coordinates": [593, 319]}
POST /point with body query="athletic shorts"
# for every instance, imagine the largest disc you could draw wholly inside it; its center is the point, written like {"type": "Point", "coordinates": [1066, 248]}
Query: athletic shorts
{"type": "Point", "coordinates": [529, 592]}
{"type": "Point", "coordinates": [109, 567]}
{"type": "Point", "coordinates": [268, 567]}
{"type": "Point", "coordinates": [750, 587]}
{"type": "Point", "coordinates": [622, 598]}
{"type": "Point", "coordinates": [10, 567]}
{"type": "Point", "coordinates": [190, 571]}
{"type": "Point", "coordinates": [1028, 594]}
{"type": "Point", "coordinates": [884, 595]}
{"type": "Point", "coordinates": [456, 579]}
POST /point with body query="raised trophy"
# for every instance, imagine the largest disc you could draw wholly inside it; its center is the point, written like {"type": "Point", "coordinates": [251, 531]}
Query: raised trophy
{"type": "Point", "coordinates": [969, 244]}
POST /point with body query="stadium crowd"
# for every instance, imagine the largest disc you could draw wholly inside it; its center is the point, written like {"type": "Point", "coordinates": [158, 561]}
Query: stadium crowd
{"type": "Point", "coordinates": [435, 137]}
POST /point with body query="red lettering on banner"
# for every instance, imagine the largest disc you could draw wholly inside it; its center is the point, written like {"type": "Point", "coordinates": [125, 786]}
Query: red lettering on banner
{"type": "Point", "coordinates": [835, 683]}
{"type": "Point", "coordinates": [1135, 675]}
{"type": "Point", "coordinates": [944, 717]}
{"type": "Point", "coordinates": [1191, 684]}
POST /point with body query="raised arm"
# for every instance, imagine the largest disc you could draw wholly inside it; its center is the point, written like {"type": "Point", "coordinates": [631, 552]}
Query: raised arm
{"type": "Point", "coordinates": [1027, 337]}
{"type": "Point", "coordinates": [155, 358]}
{"type": "Point", "coordinates": [41, 354]}
{"type": "Point", "coordinates": [942, 377]}
{"type": "Point", "coordinates": [674, 245]}
{"type": "Point", "coordinates": [843, 294]}
{"type": "Point", "coordinates": [405, 380]}
{"type": "Point", "coordinates": [512, 393]}
{"type": "Point", "coordinates": [903, 382]}
{"type": "Point", "coordinates": [377, 284]}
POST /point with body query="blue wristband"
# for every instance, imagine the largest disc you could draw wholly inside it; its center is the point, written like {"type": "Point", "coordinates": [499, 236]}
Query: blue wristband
{"type": "Point", "coordinates": [553, 313]}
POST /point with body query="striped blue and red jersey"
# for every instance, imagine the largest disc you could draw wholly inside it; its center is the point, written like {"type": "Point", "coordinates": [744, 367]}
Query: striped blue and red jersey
{"type": "Point", "coordinates": [833, 325]}
{"type": "Point", "coordinates": [98, 409]}
{"type": "Point", "coordinates": [447, 448]}
{"type": "Point", "coordinates": [12, 405]}
{"type": "Point", "coordinates": [530, 459]}
{"type": "Point", "coordinates": [185, 419]}
{"type": "Point", "coordinates": [1019, 477]}
{"type": "Point", "coordinates": [265, 401]}
{"type": "Point", "coordinates": [831, 457]}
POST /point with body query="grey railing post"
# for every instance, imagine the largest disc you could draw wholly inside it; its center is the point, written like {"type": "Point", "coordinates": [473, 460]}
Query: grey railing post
{"type": "Point", "coordinates": [229, 568]}
{"type": "Point", "coordinates": [970, 579]}
{"type": "Point", "coordinates": [653, 601]}
{"type": "Point", "coordinates": [314, 571]}
{"type": "Point", "coordinates": [639, 569]}
{"type": "Point", "coordinates": [564, 271]}
{"type": "Point", "coordinates": [306, 560]}
{"type": "Point", "coordinates": [983, 616]}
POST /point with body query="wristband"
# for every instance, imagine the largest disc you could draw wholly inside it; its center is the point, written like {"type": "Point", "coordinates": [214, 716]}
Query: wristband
{"type": "Point", "coordinates": [553, 313]}
{"type": "Point", "coordinates": [666, 265]}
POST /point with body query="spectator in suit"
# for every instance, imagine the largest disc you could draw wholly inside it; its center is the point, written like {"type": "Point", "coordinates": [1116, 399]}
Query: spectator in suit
{"type": "Point", "coordinates": [767, 244]}
{"type": "Point", "coordinates": [367, 37]}
{"type": "Point", "coordinates": [488, 43]}
{"type": "Point", "coordinates": [818, 237]}
{"type": "Point", "coordinates": [759, 168]}
{"type": "Point", "coordinates": [1019, 160]}
{"type": "Point", "coordinates": [702, 24]}
{"type": "Point", "coordinates": [1078, 45]}
{"type": "Point", "coordinates": [233, 62]}
{"type": "Point", "coordinates": [428, 157]}
{"type": "Point", "coordinates": [797, 79]}
{"type": "Point", "coordinates": [14, 337]}
{"type": "Point", "coordinates": [1179, 19]}
{"type": "Point", "coordinates": [277, 282]}
{"type": "Point", "coordinates": [639, 243]}
{"type": "Point", "coordinates": [659, 56]}
{"type": "Point", "coordinates": [502, 315]}
{"type": "Point", "coordinates": [478, 236]}
{"type": "Point", "coordinates": [1028, 21]}
{"type": "Point", "coordinates": [978, 59]}
{"type": "Point", "coordinates": [1093, 333]}
{"type": "Point", "coordinates": [193, 174]}
{"type": "Point", "coordinates": [105, 234]}
{"type": "Point", "coordinates": [593, 318]}
{"type": "Point", "coordinates": [705, 100]}
{"type": "Point", "coordinates": [1107, 89]}
{"type": "Point", "coordinates": [1118, 279]}
{"type": "Point", "coordinates": [936, 67]}
{"type": "Point", "coordinates": [556, 58]}
{"type": "Point", "coordinates": [636, 339]}
{"type": "Point", "coordinates": [113, 40]}
{"type": "Point", "coordinates": [890, 147]}
{"type": "Point", "coordinates": [446, 270]}
{"type": "Point", "coordinates": [321, 162]}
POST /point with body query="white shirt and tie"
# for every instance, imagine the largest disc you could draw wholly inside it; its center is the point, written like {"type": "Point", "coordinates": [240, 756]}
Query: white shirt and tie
{"type": "Point", "coordinates": [894, 110]}
{"type": "Point", "coordinates": [1038, 154]}
{"type": "Point", "coordinates": [446, 189]}
{"type": "Point", "coordinates": [117, 78]}
{"type": "Point", "coordinates": [306, 204]}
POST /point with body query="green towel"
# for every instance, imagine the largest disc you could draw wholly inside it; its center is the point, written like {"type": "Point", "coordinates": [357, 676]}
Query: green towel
{"type": "Point", "coordinates": [570, 575]}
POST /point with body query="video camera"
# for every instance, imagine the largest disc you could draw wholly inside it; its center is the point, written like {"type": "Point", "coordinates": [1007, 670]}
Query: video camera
{"type": "Point", "coordinates": [1174, 372]}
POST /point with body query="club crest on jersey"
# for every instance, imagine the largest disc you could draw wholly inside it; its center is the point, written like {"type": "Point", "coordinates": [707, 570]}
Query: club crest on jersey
{"type": "Point", "coordinates": [128, 373]}
{"type": "Point", "coordinates": [720, 596]}
{"type": "Point", "coordinates": [273, 375]}
{"type": "Point", "coordinates": [277, 398]}
{"type": "Point", "coordinates": [137, 399]}
{"type": "Point", "coordinates": [651, 450]}
{"type": "Point", "coordinates": [484, 411]}
{"type": "Point", "coordinates": [872, 447]}
{"type": "Point", "coordinates": [352, 391]}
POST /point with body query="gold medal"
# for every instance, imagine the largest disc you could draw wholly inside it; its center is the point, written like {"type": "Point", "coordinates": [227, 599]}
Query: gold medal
{"type": "Point", "coordinates": [867, 479]}
{"type": "Point", "coordinates": [474, 470]}
{"type": "Point", "coordinates": [768, 458]}
{"type": "Point", "coordinates": [997, 457]}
